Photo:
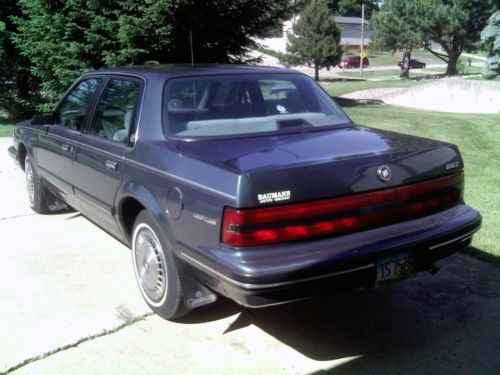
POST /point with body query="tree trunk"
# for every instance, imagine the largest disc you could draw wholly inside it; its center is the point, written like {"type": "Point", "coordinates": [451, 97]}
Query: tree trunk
{"type": "Point", "coordinates": [405, 64]}
{"type": "Point", "coordinates": [316, 73]}
{"type": "Point", "coordinates": [453, 56]}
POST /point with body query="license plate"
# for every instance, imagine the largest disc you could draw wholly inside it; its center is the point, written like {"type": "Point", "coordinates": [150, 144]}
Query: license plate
{"type": "Point", "coordinates": [395, 268]}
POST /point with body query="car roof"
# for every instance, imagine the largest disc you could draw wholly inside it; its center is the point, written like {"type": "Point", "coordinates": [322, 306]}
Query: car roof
{"type": "Point", "coordinates": [192, 70]}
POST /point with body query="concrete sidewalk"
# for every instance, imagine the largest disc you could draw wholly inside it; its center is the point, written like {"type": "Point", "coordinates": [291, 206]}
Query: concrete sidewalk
{"type": "Point", "coordinates": [69, 304]}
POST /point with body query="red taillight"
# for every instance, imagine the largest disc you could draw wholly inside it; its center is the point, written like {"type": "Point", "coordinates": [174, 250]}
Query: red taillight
{"type": "Point", "coordinates": [297, 221]}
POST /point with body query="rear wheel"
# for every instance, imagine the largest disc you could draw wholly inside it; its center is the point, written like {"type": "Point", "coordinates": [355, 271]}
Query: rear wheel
{"type": "Point", "coordinates": [155, 269]}
{"type": "Point", "coordinates": [36, 199]}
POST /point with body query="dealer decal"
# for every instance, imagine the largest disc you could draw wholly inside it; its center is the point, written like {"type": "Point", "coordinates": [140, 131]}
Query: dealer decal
{"type": "Point", "coordinates": [274, 197]}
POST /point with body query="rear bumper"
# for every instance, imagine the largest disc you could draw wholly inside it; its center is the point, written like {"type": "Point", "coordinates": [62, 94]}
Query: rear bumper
{"type": "Point", "coordinates": [276, 274]}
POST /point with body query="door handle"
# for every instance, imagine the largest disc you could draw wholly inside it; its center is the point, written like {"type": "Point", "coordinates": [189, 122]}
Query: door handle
{"type": "Point", "coordinates": [66, 147]}
{"type": "Point", "coordinates": [110, 164]}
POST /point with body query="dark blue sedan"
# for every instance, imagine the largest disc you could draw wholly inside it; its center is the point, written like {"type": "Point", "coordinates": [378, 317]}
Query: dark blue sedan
{"type": "Point", "coordinates": [247, 182]}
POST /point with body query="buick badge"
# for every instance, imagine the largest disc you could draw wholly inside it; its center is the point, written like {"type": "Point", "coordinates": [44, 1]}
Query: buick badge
{"type": "Point", "coordinates": [384, 173]}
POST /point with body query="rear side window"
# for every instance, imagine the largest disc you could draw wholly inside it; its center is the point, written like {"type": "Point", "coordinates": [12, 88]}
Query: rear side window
{"type": "Point", "coordinates": [74, 108]}
{"type": "Point", "coordinates": [246, 105]}
{"type": "Point", "coordinates": [115, 112]}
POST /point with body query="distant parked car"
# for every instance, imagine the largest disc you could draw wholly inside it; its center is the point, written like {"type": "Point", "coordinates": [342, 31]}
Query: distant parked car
{"type": "Point", "coordinates": [414, 64]}
{"type": "Point", "coordinates": [354, 62]}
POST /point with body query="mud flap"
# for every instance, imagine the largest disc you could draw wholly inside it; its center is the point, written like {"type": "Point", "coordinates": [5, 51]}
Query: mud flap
{"type": "Point", "coordinates": [196, 294]}
{"type": "Point", "coordinates": [53, 203]}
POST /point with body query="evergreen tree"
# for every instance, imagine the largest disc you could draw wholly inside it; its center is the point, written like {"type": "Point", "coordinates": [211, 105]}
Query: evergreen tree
{"type": "Point", "coordinates": [346, 8]}
{"type": "Point", "coordinates": [63, 38]}
{"type": "Point", "coordinates": [315, 41]}
{"type": "Point", "coordinates": [490, 37]}
{"type": "Point", "coordinates": [396, 27]}
{"type": "Point", "coordinates": [18, 88]}
{"type": "Point", "coordinates": [454, 24]}
{"type": "Point", "coordinates": [352, 8]}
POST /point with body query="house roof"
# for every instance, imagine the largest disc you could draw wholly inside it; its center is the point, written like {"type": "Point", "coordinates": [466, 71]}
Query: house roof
{"type": "Point", "coordinates": [354, 20]}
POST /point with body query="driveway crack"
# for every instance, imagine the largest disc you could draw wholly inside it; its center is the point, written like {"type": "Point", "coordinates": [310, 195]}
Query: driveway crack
{"type": "Point", "coordinates": [105, 332]}
{"type": "Point", "coordinates": [16, 216]}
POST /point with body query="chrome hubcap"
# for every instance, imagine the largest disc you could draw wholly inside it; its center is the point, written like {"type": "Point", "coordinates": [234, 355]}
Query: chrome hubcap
{"type": "Point", "coordinates": [149, 263]}
{"type": "Point", "coordinates": [30, 183]}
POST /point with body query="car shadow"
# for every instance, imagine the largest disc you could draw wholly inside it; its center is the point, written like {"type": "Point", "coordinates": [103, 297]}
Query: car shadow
{"type": "Point", "coordinates": [448, 321]}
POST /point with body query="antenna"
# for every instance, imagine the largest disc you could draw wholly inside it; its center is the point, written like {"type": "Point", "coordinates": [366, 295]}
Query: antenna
{"type": "Point", "coordinates": [191, 42]}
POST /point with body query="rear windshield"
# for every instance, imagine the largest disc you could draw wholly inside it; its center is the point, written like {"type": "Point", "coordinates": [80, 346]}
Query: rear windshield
{"type": "Point", "coordinates": [246, 105]}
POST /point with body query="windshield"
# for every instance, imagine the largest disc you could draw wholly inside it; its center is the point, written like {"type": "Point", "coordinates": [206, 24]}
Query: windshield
{"type": "Point", "coordinates": [246, 105]}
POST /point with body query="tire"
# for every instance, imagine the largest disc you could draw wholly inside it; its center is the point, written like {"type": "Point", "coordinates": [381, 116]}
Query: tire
{"type": "Point", "coordinates": [155, 269]}
{"type": "Point", "coordinates": [34, 187]}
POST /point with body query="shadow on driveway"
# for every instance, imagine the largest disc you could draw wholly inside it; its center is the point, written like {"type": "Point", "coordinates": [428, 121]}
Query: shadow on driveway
{"type": "Point", "coordinates": [447, 323]}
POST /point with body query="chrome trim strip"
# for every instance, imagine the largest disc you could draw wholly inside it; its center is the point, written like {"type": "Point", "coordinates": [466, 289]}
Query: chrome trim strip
{"type": "Point", "coordinates": [267, 286]}
{"type": "Point", "coordinates": [462, 238]}
{"type": "Point", "coordinates": [180, 179]}
{"type": "Point", "coordinates": [88, 200]}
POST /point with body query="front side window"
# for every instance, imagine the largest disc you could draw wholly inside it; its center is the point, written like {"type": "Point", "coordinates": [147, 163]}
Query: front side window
{"type": "Point", "coordinates": [246, 105]}
{"type": "Point", "coordinates": [116, 111]}
{"type": "Point", "coordinates": [74, 108]}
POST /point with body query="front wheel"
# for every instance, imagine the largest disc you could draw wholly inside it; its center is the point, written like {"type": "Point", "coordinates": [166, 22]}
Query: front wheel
{"type": "Point", "coordinates": [36, 199]}
{"type": "Point", "coordinates": [155, 269]}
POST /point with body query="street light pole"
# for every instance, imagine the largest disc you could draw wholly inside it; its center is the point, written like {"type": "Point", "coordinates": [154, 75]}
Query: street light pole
{"type": "Point", "coordinates": [362, 37]}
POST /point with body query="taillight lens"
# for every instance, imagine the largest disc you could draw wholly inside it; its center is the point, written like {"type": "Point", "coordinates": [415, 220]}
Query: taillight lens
{"type": "Point", "coordinates": [298, 221]}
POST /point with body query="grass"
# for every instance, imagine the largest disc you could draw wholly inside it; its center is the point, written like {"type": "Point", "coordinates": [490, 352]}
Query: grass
{"type": "Point", "coordinates": [6, 130]}
{"type": "Point", "coordinates": [389, 74]}
{"type": "Point", "coordinates": [481, 78]}
{"type": "Point", "coordinates": [337, 88]}
{"type": "Point", "coordinates": [465, 70]}
{"type": "Point", "coordinates": [477, 138]}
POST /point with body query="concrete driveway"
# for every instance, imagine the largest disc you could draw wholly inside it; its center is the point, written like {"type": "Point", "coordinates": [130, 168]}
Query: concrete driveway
{"type": "Point", "coordinates": [69, 304]}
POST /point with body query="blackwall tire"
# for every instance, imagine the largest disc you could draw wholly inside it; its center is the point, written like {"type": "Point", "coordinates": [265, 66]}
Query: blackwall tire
{"type": "Point", "coordinates": [155, 268]}
{"type": "Point", "coordinates": [34, 188]}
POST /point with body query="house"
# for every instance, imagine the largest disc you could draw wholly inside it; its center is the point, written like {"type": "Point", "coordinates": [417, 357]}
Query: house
{"type": "Point", "coordinates": [350, 37]}
{"type": "Point", "coordinates": [350, 32]}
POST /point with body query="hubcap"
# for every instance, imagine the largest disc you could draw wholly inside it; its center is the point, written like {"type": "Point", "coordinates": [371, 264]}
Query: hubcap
{"type": "Point", "coordinates": [30, 183]}
{"type": "Point", "coordinates": [149, 263]}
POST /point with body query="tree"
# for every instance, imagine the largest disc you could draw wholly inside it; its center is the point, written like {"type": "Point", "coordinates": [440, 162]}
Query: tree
{"type": "Point", "coordinates": [220, 31]}
{"type": "Point", "coordinates": [63, 38]}
{"type": "Point", "coordinates": [456, 25]}
{"type": "Point", "coordinates": [396, 27]}
{"type": "Point", "coordinates": [315, 41]}
{"type": "Point", "coordinates": [352, 8]}
{"type": "Point", "coordinates": [18, 89]}
{"type": "Point", "coordinates": [490, 37]}
{"type": "Point", "coordinates": [346, 8]}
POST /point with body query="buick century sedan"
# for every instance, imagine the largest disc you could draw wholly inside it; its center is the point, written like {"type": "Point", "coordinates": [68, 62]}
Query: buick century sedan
{"type": "Point", "coordinates": [244, 182]}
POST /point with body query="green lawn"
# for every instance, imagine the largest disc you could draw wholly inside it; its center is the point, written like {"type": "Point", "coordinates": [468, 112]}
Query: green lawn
{"type": "Point", "coordinates": [480, 78]}
{"type": "Point", "coordinates": [6, 130]}
{"type": "Point", "coordinates": [477, 138]}
{"type": "Point", "coordinates": [466, 70]}
{"type": "Point", "coordinates": [382, 74]}
{"type": "Point", "coordinates": [337, 88]}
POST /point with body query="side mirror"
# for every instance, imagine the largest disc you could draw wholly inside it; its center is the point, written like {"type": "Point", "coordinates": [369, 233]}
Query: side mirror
{"type": "Point", "coordinates": [43, 118]}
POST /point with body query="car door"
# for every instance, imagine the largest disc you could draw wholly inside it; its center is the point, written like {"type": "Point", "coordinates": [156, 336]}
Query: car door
{"type": "Point", "coordinates": [98, 160]}
{"type": "Point", "coordinates": [55, 146]}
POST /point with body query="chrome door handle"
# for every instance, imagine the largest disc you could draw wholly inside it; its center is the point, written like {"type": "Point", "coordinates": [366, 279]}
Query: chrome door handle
{"type": "Point", "coordinates": [110, 164]}
{"type": "Point", "coordinates": [65, 147]}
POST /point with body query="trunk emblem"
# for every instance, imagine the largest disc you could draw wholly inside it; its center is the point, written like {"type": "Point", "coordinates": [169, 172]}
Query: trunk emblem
{"type": "Point", "coordinates": [384, 173]}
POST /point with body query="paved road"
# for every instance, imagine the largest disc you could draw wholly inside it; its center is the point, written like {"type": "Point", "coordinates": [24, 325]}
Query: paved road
{"type": "Point", "coordinates": [334, 71]}
{"type": "Point", "coordinates": [69, 304]}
